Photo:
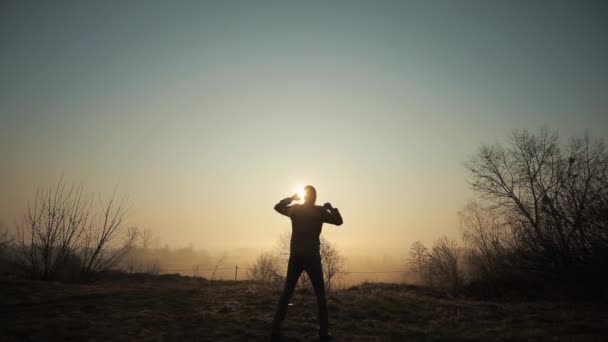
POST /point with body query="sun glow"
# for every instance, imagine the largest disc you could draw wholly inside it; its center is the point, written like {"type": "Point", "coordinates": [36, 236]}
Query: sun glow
{"type": "Point", "coordinates": [300, 191]}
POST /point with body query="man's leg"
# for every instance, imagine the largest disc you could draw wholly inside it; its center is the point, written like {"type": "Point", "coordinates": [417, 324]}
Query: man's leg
{"type": "Point", "coordinates": [293, 273]}
{"type": "Point", "coordinates": [315, 273]}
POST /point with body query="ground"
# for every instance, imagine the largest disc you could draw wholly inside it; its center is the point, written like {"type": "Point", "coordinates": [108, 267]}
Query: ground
{"type": "Point", "coordinates": [171, 307]}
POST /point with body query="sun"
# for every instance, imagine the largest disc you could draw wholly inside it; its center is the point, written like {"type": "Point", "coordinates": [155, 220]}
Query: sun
{"type": "Point", "coordinates": [300, 191]}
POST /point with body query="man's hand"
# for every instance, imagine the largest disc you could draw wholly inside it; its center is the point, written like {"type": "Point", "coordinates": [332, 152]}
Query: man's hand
{"type": "Point", "coordinates": [283, 206]}
{"type": "Point", "coordinates": [332, 215]}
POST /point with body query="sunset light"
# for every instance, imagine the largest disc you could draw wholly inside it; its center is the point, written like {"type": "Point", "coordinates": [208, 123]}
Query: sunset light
{"type": "Point", "coordinates": [300, 191]}
{"type": "Point", "coordinates": [205, 170]}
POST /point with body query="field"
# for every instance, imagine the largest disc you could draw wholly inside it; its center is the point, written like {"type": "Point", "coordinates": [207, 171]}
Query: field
{"type": "Point", "coordinates": [171, 307]}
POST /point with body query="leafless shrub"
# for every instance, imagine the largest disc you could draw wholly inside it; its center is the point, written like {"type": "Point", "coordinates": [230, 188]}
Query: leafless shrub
{"type": "Point", "coordinates": [282, 249]}
{"type": "Point", "coordinates": [97, 252]}
{"type": "Point", "coordinates": [488, 240]}
{"type": "Point", "coordinates": [444, 264]}
{"type": "Point", "coordinates": [418, 262]}
{"type": "Point", "coordinates": [60, 227]}
{"type": "Point", "coordinates": [146, 238]}
{"type": "Point", "coordinates": [267, 268]}
{"type": "Point", "coordinates": [52, 227]}
{"type": "Point", "coordinates": [331, 260]}
{"type": "Point", "coordinates": [333, 265]}
{"type": "Point", "coordinates": [5, 238]}
{"type": "Point", "coordinates": [218, 265]}
{"type": "Point", "coordinates": [439, 267]}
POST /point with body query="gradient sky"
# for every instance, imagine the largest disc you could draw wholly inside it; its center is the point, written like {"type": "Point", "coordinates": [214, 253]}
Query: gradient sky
{"type": "Point", "coordinates": [206, 114]}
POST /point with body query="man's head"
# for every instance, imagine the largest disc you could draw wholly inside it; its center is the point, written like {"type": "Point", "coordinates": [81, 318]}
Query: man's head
{"type": "Point", "coordinates": [310, 195]}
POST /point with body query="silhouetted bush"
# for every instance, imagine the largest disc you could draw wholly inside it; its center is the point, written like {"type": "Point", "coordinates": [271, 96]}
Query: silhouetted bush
{"type": "Point", "coordinates": [438, 267]}
{"type": "Point", "coordinates": [5, 239]}
{"type": "Point", "coordinates": [331, 259]}
{"type": "Point", "coordinates": [418, 263]}
{"type": "Point", "coordinates": [61, 235]}
{"type": "Point", "coordinates": [544, 214]}
{"type": "Point", "coordinates": [267, 268]}
{"type": "Point", "coordinates": [333, 265]}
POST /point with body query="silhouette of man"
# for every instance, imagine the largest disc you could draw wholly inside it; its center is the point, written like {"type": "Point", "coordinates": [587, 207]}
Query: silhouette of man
{"type": "Point", "coordinates": [306, 223]}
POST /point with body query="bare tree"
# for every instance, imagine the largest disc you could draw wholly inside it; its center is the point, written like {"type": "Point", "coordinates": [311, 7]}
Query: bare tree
{"type": "Point", "coordinates": [146, 238]}
{"type": "Point", "coordinates": [266, 268]}
{"type": "Point", "coordinates": [5, 237]}
{"type": "Point", "coordinates": [98, 253]}
{"type": "Point", "coordinates": [333, 264]}
{"type": "Point", "coordinates": [133, 261]}
{"type": "Point", "coordinates": [488, 238]}
{"type": "Point", "coordinates": [283, 246]}
{"type": "Point", "coordinates": [419, 261]}
{"type": "Point", "coordinates": [443, 264]}
{"type": "Point", "coordinates": [439, 266]}
{"type": "Point", "coordinates": [551, 200]}
{"type": "Point", "coordinates": [60, 230]}
{"type": "Point", "coordinates": [331, 260]}
{"type": "Point", "coordinates": [52, 227]}
{"type": "Point", "coordinates": [151, 264]}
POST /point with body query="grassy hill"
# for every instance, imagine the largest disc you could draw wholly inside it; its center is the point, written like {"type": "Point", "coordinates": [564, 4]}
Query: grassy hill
{"type": "Point", "coordinates": [171, 307]}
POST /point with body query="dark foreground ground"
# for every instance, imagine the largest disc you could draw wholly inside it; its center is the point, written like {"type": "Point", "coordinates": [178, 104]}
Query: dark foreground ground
{"type": "Point", "coordinates": [157, 308]}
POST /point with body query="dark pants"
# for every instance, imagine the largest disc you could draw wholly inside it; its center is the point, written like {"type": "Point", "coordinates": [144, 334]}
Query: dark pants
{"type": "Point", "coordinates": [312, 266]}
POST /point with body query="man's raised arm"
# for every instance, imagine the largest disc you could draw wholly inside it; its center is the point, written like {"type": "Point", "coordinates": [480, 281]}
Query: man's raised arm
{"type": "Point", "coordinates": [283, 207]}
{"type": "Point", "coordinates": [332, 215]}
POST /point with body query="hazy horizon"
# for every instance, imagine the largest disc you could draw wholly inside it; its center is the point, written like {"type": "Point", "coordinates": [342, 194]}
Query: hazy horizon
{"type": "Point", "coordinates": [206, 115]}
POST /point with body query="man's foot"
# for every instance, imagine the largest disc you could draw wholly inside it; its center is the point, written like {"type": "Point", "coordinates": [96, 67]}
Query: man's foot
{"type": "Point", "coordinates": [326, 336]}
{"type": "Point", "coordinates": [276, 336]}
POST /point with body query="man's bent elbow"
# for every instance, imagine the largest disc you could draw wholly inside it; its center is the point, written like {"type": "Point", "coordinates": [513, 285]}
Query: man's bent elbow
{"type": "Point", "coordinates": [281, 208]}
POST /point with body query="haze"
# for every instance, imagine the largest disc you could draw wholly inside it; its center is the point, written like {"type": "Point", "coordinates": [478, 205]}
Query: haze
{"type": "Point", "coordinates": [207, 114]}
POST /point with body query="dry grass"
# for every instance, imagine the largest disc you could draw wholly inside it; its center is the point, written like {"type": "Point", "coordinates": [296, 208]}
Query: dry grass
{"type": "Point", "coordinates": [155, 308]}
